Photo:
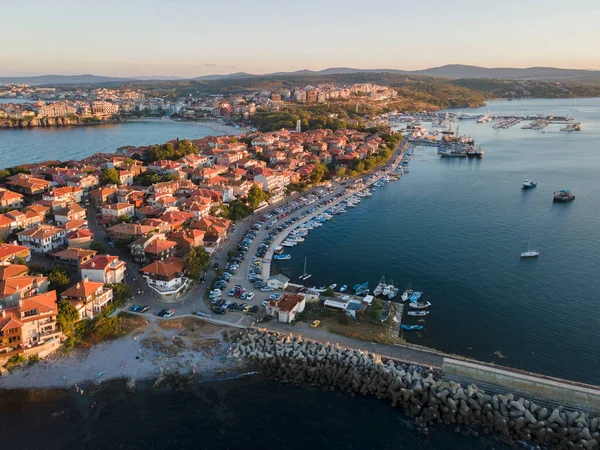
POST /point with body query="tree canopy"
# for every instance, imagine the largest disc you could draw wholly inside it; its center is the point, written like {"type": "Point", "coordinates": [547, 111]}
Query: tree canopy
{"type": "Point", "coordinates": [67, 315]}
{"type": "Point", "coordinates": [318, 173]}
{"type": "Point", "coordinates": [59, 278]}
{"type": "Point", "coordinates": [197, 263]}
{"type": "Point", "coordinates": [100, 247]}
{"type": "Point", "coordinates": [256, 196]}
{"type": "Point", "coordinates": [170, 151]}
{"type": "Point", "coordinates": [110, 176]}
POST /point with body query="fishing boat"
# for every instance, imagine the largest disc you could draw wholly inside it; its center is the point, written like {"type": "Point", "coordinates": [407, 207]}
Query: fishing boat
{"type": "Point", "coordinates": [527, 184]}
{"type": "Point", "coordinates": [279, 249]}
{"type": "Point", "coordinates": [282, 256]}
{"type": "Point", "coordinates": [343, 288]}
{"type": "Point", "coordinates": [379, 288]}
{"type": "Point", "coordinates": [387, 289]}
{"type": "Point", "coordinates": [289, 244]}
{"type": "Point", "coordinates": [418, 313]}
{"type": "Point", "coordinates": [563, 196]}
{"type": "Point", "coordinates": [393, 291]}
{"type": "Point", "coordinates": [412, 327]}
{"type": "Point", "coordinates": [419, 305]}
{"type": "Point", "coordinates": [333, 286]}
{"type": "Point", "coordinates": [305, 275]}
{"type": "Point", "coordinates": [406, 294]}
{"type": "Point", "coordinates": [362, 289]}
{"type": "Point", "coordinates": [415, 296]}
{"type": "Point", "coordinates": [528, 252]}
{"type": "Point", "coordinates": [386, 312]}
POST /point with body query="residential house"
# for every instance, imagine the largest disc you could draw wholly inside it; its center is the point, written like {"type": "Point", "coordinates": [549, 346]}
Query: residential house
{"type": "Point", "coordinates": [89, 298]}
{"type": "Point", "coordinates": [113, 212]}
{"type": "Point", "coordinates": [278, 281]}
{"type": "Point", "coordinates": [286, 308]}
{"type": "Point", "coordinates": [37, 315]}
{"type": "Point", "coordinates": [80, 238]}
{"type": "Point", "coordinates": [16, 284]}
{"type": "Point", "coordinates": [28, 185]}
{"type": "Point", "coordinates": [138, 247]}
{"type": "Point", "coordinates": [68, 213]}
{"type": "Point", "coordinates": [160, 249]}
{"type": "Point", "coordinates": [75, 256]}
{"type": "Point", "coordinates": [103, 195]}
{"type": "Point", "coordinates": [66, 194]}
{"type": "Point", "coordinates": [43, 238]}
{"type": "Point", "coordinates": [10, 199]}
{"type": "Point", "coordinates": [166, 278]}
{"type": "Point", "coordinates": [105, 269]}
{"type": "Point", "coordinates": [11, 252]}
{"type": "Point", "coordinates": [129, 231]}
{"type": "Point", "coordinates": [126, 177]}
{"type": "Point", "coordinates": [188, 238]}
{"type": "Point", "coordinates": [215, 229]}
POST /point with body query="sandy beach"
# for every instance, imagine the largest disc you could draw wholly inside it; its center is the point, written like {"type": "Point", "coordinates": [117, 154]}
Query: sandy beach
{"type": "Point", "coordinates": [184, 346]}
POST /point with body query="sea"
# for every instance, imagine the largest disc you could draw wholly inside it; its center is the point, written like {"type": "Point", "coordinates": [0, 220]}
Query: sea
{"type": "Point", "coordinates": [451, 228]}
{"type": "Point", "coordinates": [19, 146]}
{"type": "Point", "coordinates": [455, 228]}
{"type": "Point", "coordinates": [242, 413]}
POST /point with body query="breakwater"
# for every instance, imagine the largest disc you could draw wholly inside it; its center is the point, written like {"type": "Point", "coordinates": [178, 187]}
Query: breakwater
{"type": "Point", "coordinates": [420, 391]}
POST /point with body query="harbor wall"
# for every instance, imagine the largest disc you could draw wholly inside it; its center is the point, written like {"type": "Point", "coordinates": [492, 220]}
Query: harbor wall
{"type": "Point", "coordinates": [547, 391]}
{"type": "Point", "coordinates": [421, 392]}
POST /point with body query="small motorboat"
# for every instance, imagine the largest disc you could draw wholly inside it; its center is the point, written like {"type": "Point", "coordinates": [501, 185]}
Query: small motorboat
{"type": "Point", "coordinates": [406, 294]}
{"type": "Point", "coordinates": [418, 313]}
{"type": "Point", "coordinates": [415, 297]}
{"type": "Point", "coordinates": [333, 286]}
{"type": "Point", "coordinates": [412, 327]}
{"type": "Point", "coordinates": [283, 256]}
{"type": "Point", "coordinates": [529, 184]}
{"type": "Point", "coordinates": [419, 305]}
{"type": "Point", "coordinates": [343, 288]}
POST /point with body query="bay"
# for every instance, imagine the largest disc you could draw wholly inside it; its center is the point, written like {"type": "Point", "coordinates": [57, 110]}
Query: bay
{"type": "Point", "coordinates": [455, 229]}
{"type": "Point", "coordinates": [43, 144]}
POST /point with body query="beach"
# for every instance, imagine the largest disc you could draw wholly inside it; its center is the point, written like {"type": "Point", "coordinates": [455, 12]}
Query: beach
{"type": "Point", "coordinates": [180, 346]}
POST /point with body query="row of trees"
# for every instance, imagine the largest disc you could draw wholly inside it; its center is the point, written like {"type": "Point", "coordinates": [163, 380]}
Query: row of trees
{"type": "Point", "coordinates": [169, 151]}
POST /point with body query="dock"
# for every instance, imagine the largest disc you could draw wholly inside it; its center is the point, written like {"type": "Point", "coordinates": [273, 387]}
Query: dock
{"type": "Point", "coordinates": [395, 331]}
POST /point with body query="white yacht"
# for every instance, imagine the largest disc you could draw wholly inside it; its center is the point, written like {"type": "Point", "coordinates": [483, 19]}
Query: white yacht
{"type": "Point", "coordinates": [528, 252]}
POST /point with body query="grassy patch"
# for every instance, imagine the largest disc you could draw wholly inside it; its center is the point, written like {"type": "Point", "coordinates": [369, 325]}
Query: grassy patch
{"type": "Point", "coordinates": [103, 328]}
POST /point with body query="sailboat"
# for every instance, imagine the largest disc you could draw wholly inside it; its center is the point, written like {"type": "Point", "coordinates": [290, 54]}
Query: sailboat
{"type": "Point", "coordinates": [380, 287]}
{"type": "Point", "coordinates": [528, 252]}
{"type": "Point", "coordinates": [305, 276]}
{"type": "Point", "coordinates": [393, 290]}
{"type": "Point", "coordinates": [406, 294]}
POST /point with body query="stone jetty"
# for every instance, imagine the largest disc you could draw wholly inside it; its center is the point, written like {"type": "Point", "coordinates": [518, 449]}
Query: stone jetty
{"type": "Point", "coordinates": [419, 391]}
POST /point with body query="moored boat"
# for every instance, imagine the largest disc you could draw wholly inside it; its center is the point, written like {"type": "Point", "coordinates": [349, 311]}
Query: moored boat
{"type": "Point", "coordinates": [419, 305]}
{"type": "Point", "coordinates": [418, 313]}
{"type": "Point", "coordinates": [412, 327]}
{"type": "Point", "coordinates": [343, 288]}
{"type": "Point", "coordinates": [406, 294]}
{"type": "Point", "coordinates": [282, 256]}
{"type": "Point", "coordinates": [415, 296]}
{"type": "Point", "coordinates": [563, 196]}
{"type": "Point", "coordinates": [379, 288]}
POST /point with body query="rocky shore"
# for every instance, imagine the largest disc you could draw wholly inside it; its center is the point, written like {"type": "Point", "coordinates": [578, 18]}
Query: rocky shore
{"type": "Point", "coordinates": [49, 122]}
{"type": "Point", "coordinates": [419, 391]}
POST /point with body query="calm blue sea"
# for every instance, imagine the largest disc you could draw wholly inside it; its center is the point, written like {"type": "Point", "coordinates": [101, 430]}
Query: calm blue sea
{"type": "Point", "coordinates": [43, 144]}
{"type": "Point", "coordinates": [455, 229]}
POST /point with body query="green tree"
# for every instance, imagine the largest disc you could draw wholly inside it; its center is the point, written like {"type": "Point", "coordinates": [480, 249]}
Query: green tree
{"type": "Point", "coordinates": [121, 293]}
{"type": "Point", "coordinates": [59, 278]}
{"type": "Point", "coordinates": [124, 219]}
{"type": "Point", "coordinates": [197, 263]}
{"type": "Point", "coordinates": [4, 174]}
{"type": "Point", "coordinates": [110, 176]}
{"type": "Point", "coordinates": [255, 196]}
{"type": "Point", "coordinates": [67, 315]}
{"type": "Point", "coordinates": [318, 173]}
{"type": "Point", "coordinates": [99, 247]}
{"type": "Point", "coordinates": [374, 311]}
{"type": "Point", "coordinates": [341, 172]}
{"type": "Point", "coordinates": [329, 292]}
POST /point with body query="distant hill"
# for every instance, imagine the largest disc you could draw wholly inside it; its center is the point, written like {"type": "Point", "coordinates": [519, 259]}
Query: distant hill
{"type": "Point", "coordinates": [61, 79]}
{"type": "Point", "coordinates": [452, 71]}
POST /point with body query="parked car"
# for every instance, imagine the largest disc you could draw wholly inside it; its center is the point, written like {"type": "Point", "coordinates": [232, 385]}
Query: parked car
{"type": "Point", "coordinates": [202, 314]}
{"type": "Point", "coordinates": [242, 306]}
{"type": "Point", "coordinates": [166, 313]}
{"type": "Point", "coordinates": [232, 306]}
{"type": "Point", "coordinates": [135, 308]}
{"type": "Point", "coordinates": [266, 289]}
{"type": "Point", "coordinates": [145, 308]}
{"type": "Point", "coordinates": [247, 309]}
{"type": "Point", "coordinates": [249, 295]}
{"type": "Point", "coordinates": [218, 310]}
{"type": "Point", "coordinates": [232, 292]}
{"type": "Point", "coordinates": [275, 296]}
{"type": "Point", "coordinates": [254, 309]}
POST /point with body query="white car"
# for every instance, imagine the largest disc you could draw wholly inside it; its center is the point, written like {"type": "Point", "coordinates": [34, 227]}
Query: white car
{"type": "Point", "coordinates": [249, 295]}
{"type": "Point", "coordinates": [275, 296]}
{"type": "Point", "coordinates": [266, 289]}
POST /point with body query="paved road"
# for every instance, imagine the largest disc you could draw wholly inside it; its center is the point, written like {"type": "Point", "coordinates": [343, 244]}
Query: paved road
{"type": "Point", "coordinates": [401, 352]}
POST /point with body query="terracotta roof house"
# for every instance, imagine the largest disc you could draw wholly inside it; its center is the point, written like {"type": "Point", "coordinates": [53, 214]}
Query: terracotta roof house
{"type": "Point", "coordinates": [188, 238]}
{"type": "Point", "coordinates": [105, 269]}
{"type": "Point", "coordinates": [43, 239]}
{"type": "Point", "coordinates": [166, 278]}
{"type": "Point", "coordinates": [89, 298]}
{"type": "Point", "coordinates": [75, 256]}
{"type": "Point", "coordinates": [80, 238]}
{"type": "Point", "coordinates": [13, 288]}
{"type": "Point", "coordinates": [286, 308]}
{"type": "Point", "coordinates": [10, 252]}
{"type": "Point", "coordinates": [160, 249]}
{"type": "Point", "coordinates": [70, 212]}
{"type": "Point", "coordinates": [28, 185]}
{"type": "Point", "coordinates": [10, 199]}
{"type": "Point", "coordinates": [129, 230]}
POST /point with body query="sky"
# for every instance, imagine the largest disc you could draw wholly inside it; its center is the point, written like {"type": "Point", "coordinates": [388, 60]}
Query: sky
{"type": "Point", "coordinates": [190, 38]}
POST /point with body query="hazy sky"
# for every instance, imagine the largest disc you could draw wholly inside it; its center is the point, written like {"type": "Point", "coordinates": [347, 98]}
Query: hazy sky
{"type": "Point", "coordinates": [199, 37]}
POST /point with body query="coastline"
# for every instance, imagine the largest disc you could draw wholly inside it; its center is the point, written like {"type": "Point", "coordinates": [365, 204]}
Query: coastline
{"type": "Point", "coordinates": [180, 347]}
